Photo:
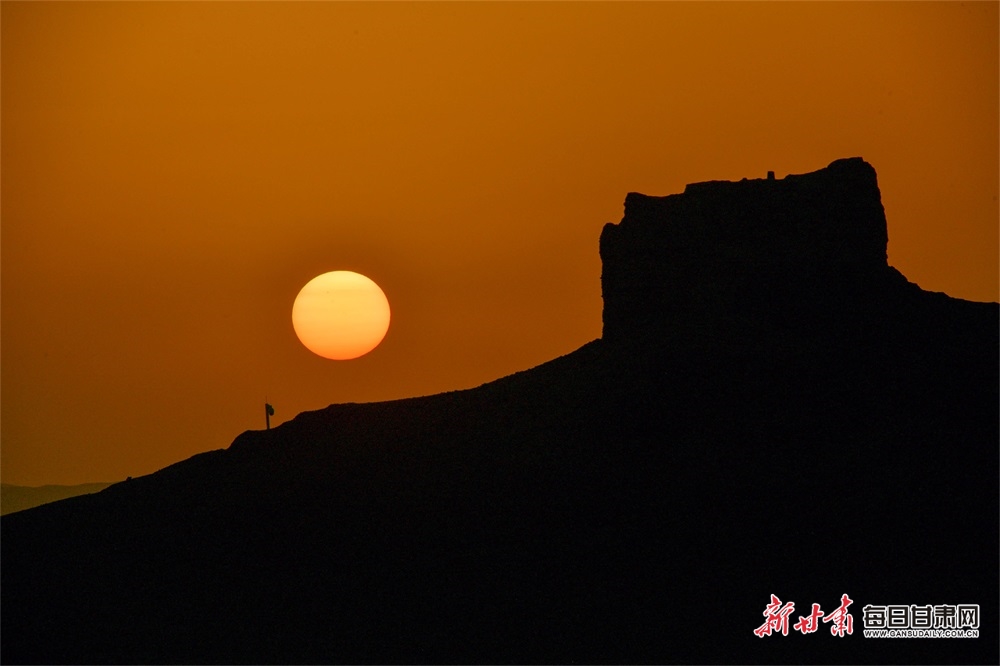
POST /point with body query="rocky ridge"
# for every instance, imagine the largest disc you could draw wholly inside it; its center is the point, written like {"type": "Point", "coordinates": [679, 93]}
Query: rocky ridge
{"type": "Point", "coordinates": [771, 410]}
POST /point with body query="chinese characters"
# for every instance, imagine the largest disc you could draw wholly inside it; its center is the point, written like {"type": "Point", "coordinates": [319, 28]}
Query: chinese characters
{"type": "Point", "coordinates": [842, 623]}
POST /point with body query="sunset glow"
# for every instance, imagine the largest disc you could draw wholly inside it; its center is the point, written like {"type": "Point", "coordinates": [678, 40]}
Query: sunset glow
{"type": "Point", "coordinates": [174, 173]}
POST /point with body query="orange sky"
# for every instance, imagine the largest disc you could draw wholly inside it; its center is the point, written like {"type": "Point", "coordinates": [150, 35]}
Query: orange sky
{"type": "Point", "coordinates": [173, 174]}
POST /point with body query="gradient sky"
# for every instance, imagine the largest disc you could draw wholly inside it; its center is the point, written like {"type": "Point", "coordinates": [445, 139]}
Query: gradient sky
{"type": "Point", "coordinates": [173, 174]}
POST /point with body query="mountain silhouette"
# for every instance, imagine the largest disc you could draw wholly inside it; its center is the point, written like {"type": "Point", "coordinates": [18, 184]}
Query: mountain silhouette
{"type": "Point", "coordinates": [771, 409]}
{"type": "Point", "coordinates": [18, 498]}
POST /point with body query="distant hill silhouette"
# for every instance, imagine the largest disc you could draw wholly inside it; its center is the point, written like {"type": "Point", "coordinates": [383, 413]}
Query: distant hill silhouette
{"type": "Point", "coordinates": [771, 409]}
{"type": "Point", "coordinates": [18, 498]}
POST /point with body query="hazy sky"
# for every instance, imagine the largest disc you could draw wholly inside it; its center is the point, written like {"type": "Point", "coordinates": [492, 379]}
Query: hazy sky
{"type": "Point", "coordinates": [172, 175]}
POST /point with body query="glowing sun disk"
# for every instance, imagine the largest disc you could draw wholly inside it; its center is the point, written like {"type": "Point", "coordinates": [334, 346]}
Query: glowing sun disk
{"type": "Point", "coordinates": [340, 315]}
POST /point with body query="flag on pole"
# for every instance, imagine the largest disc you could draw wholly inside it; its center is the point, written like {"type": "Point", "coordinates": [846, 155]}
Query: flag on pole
{"type": "Point", "coordinates": [269, 408]}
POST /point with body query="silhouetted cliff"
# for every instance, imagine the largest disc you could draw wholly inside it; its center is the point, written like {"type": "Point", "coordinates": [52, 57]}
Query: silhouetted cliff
{"type": "Point", "coordinates": [722, 254]}
{"type": "Point", "coordinates": [772, 410]}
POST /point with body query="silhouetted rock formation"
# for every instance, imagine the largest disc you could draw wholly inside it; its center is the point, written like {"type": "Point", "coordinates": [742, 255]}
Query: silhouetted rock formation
{"type": "Point", "coordinates": [738, 260]}
{"type": "Point", "coordinates": [772, 410]}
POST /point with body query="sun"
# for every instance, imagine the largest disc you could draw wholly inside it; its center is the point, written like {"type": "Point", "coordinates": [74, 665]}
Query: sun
{"type": "Point", "coordinates": [340, 315]}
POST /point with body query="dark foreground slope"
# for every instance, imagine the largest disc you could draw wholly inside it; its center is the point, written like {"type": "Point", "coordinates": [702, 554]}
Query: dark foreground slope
{"type": "Point", "coordinates": [18, 498]}
{"type": "Point", "coordinates": [754, 421]}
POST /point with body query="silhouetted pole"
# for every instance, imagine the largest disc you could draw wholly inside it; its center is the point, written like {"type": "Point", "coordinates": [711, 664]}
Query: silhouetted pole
{"type": "Point", "coordinates": [268, 413]}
